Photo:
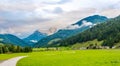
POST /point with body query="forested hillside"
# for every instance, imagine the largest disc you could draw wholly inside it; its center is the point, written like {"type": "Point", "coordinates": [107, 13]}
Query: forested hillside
{"type": "Point", "coordinates": [109, 32]}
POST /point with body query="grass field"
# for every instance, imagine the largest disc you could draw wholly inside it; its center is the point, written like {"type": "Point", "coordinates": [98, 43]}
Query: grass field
{"type": "Point", "coordinates": [72, 58]}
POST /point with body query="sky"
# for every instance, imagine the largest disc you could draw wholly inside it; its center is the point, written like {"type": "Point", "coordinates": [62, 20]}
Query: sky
{"type": "Point", "coordinates": [23, 17]}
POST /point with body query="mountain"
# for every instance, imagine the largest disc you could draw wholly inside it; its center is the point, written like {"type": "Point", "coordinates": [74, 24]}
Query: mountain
{"type": "Point", "coordinates": [93, 19]}
{"type": "Point", "coordinates": [71, 30]}
{"type": "Point", "coordinates": [11, 39]}
{"type": "Point", "coordinates": [108, 32]}
{"type": "Point", "coordinates": [35, 37]}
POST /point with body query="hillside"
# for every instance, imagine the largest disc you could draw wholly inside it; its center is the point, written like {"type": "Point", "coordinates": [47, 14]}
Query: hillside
{"type": "Point", "coordinates": [11, 39]}
{"type": "Point", "coordinates": [72, 30]}
{"type": "Point", "coordinates": [108, 32]}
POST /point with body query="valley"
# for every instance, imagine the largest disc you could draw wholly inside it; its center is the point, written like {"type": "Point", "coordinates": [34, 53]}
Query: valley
{"type": "Point", "coordinates": [59, 32]}
{"type": "Point", "coordinates": [93, 43]}
{"type": "Point", "coordinates": [72, 58]}
{"type": "Point", "coordinates": [68, 58]}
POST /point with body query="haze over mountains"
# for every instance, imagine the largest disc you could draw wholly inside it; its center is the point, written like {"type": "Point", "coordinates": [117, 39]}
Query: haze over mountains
{"type": "Point", "coordinates": [87, 29]}
{"type": "Point", "coordinates": [30, 15]}
{"type": "Point", "coordinates": [72, 30]}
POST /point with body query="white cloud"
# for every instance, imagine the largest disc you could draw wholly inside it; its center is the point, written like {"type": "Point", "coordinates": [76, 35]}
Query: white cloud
{"type": "Point", "coordinates": [72, 27]}
{"type": "Point", "coordinates": [24, 16]}
{"type": "Point", "coordinates": [111, 13]}
{"type": "Point", "coordinates": [85, 23]}
{"type": "Point", "coordinates": [34, 41]}
{"type": "Point", "coordinates": [44, 14]}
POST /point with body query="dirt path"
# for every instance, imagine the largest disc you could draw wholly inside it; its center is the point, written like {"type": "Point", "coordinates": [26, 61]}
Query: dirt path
{"type": "Point", "coordinates": [11, 62]}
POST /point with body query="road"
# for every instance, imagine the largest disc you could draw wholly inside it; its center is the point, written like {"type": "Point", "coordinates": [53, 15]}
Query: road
{"type": "Point", "coordinates": [11, 62]}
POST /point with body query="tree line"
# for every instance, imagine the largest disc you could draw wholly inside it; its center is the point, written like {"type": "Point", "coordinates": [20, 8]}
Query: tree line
{"type": "Point", "coordinates": [9, 48]}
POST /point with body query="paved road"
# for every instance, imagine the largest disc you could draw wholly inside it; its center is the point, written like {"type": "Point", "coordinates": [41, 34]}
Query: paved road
{"type": "Point", "coordinates": [1, 61]}
{"type": "Point", "coordinates": [11, 62]}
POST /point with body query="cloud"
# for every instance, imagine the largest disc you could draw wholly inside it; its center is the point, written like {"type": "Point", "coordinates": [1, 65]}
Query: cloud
{"type": "Point", "coordinates": [58, 10]}
{"type": "Point", "coordinates": [22, 17]}
{"type": "Point", "coordinates": [52, 2]}
{"type": "Point", "coordinates": [111, 13]}
{"type": "Point", "coordinates": [34, 41]}
{"type": "Point", "coordinates": [84, 24]}
{"type": "Point", "coordinates": [72, 27]}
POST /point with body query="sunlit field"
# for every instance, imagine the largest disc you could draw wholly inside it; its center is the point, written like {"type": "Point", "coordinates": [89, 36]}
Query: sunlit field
{"type": "Point", "coordinates": [72, 58]}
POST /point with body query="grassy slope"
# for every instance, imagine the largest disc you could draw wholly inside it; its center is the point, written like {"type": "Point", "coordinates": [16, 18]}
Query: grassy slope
{"type": "Point", "coordinates": [86, 44]}
{"type": "Point", "coordinates": [73, 58]}
{"type": "Point", "coordinates": [117, 45]}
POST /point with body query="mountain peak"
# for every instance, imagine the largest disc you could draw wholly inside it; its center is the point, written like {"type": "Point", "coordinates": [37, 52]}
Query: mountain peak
{"type": "Point", "coordinates": [37, 31]}
{"type": "Point", "coordinates": [93, 19]}
{"type": "Point", "coordinates": [96, 15]}
{"type": "Point", "coordinates": [34, 37]}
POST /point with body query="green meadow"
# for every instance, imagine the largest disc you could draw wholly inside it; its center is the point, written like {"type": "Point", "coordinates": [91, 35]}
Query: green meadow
{"type": "Point", "coordinates": [72, 58]}
{"type": "Point", "coordinates": [110, 57]}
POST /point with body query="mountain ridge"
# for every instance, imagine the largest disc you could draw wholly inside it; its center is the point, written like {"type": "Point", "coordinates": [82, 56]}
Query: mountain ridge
{"type": "Point", "coordinates": [11, 39]}
{"type": "Point", "coordinates": [108, 32]}
{"type": "Point", "coordinates": [65, 33]}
